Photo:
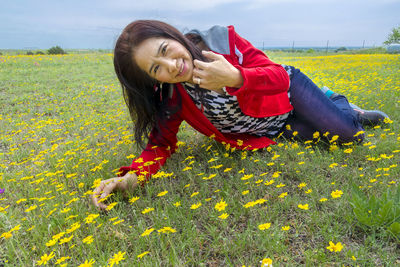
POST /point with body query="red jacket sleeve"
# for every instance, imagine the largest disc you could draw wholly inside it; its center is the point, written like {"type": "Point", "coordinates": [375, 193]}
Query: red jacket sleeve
{"type": "Point", "coordinates": [161, 145]}
{"type": "Point", "coordinates": [260, 74]}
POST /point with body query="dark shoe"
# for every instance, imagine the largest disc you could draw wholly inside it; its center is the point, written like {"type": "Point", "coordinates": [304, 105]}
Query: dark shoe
{"type": "Point", "coordinates": [369, 117]}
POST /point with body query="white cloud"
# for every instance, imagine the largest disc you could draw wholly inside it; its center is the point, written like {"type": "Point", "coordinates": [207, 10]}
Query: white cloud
{"type": "Point", "coordinates": [255, 4]}
{"type": "Point", "coordinates": [278, 21]}
{"type": "Point", "coordinates": [173, 5]}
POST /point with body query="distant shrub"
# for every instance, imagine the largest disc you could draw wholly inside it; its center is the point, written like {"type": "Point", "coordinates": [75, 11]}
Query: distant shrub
{"type": "Point", "coordinates": [56, 50]}
{"type": "Point", "coordinates": [29, 53]}
{"type": "Point", "coordinates": [374, 50]}
{"type": "Point", "coordinates": [310, 51]}
{"type": "Point", "coordinates": [1, 54]}
{"type": "Point", "coordinates": [341, 49]}
{"type": "Point", "coordinates": [370, 50]}
{"type": "Point", "coordinates": [39, 53]}
{"type": "Point", "coordinates": [294, 50]}
{"type": "Point", "coordinates": [393, 48]}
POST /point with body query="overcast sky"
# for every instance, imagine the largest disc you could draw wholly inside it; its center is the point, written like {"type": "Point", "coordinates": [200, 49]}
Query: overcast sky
{"type": "Point", "coordinates": [96, 24]}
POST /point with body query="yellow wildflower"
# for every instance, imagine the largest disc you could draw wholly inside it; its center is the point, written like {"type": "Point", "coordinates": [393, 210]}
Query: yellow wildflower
{"type": "Point", "coordinates": [284, 194]}
{"type": "Point", "coordinates": [90, 218]}
{"type": "Point", "coordinates": [73, 227]}
{"type": "Point", "coordinates": [166, 230]}
{"type": "Point", "coordinates": [194, 194]}
{"type": "Point", "coordinates": [51, 242]}
{"type": "Point", "coordinates": [16, 228]}
{"type": "Point", "coordinates": [249, 204]}
{"type": "Point", "coordinates": [269, 182]}
{"type": "Point", "coordinates": [62, 259]}
{"type": "Point", "coordinates": [112, 205]}
{"type": "Point", "coordinates": [303, 206]}
{"type": "Point", "coordinates": [348, 151]}
{"type": "Point", "coordinates": [220, 206]}
{"type": "Point", "coordinates": [66, 239]}
{"type": "Point", "coordinates": [163, 193]}
{"type": "Point", "coordinates": [6, 235]}
{"type": "Point", "coordinates": [45, 258]}
{"type": "Point", "coordinates": [143, 254]}
{"type": "Point", "coordinates": [337, 194]}
{"type": "Point", "coordinates": [335, 248]}
{"type": "Point", "coordinates": [195, 206]}
{"type": "Point", "coordinates": [96, 183]}
{"type": "Point", "coordinates": [147, 232]}
{"type": "Point", "coordinates": [246, 177]}
{"type": "Point", "coordinates": [223, 216]}
{"type": "Point", "coordinates": [133, 200]}
{"type": "Point", "coordinates": [88, 240]}
{"type": "Point", "coordinates": [264, 226]}
{"type": "Point", "coordinates": [301, 185]}
{"type": "Point", "coordinates": [31, 208]}
{"type": "Point", "coordinates": [147, 210]}
{"type": "Point", "coordinates": [117, 258]}
{"type": "Point", "coordinates": [266, 262]}
{"type": "Point", "coordinates": [87, 263]}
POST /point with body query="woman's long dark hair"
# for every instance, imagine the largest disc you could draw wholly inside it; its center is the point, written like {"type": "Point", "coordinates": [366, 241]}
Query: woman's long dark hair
{"type": "Point", "coordinates": [141, 92]}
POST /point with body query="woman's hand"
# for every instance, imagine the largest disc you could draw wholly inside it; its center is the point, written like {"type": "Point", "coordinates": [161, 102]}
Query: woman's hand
{"type": "Point", "coordinates": [127, 182]}
{"type": "Point", "coordinates": [216, 74]}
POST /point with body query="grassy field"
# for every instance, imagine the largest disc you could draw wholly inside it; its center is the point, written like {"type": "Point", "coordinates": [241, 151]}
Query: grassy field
{"type": "Point", "coordinates": [64, 126]}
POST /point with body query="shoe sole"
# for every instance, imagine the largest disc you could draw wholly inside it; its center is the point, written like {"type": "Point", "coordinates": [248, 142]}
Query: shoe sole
{"type": "Point", "coordinates": [371, 117]}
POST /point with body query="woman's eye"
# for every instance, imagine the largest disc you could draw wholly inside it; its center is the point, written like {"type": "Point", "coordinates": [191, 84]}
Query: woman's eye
{"type": "Point", "coordinates": [164, 49]}
{"type": "Point", "coordinates": [156, 68]}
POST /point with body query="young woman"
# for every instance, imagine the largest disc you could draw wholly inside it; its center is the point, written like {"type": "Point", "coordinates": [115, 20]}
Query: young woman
{"type": "Point", "coordinates": [224, 88]}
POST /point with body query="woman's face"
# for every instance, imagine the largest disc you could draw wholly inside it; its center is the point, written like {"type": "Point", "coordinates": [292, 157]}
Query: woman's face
{"type": "Point", "coordinates": [166, 60]}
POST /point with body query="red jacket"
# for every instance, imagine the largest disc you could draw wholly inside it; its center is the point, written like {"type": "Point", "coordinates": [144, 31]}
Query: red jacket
{"type": "Point", "coordinates": [263, 94]}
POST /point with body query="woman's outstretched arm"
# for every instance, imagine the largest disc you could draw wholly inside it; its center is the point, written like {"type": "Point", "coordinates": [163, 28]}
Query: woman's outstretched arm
{"type": "Point", "coordinates": [161, 145]}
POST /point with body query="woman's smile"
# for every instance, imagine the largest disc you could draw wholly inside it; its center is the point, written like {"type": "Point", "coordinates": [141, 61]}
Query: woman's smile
{"type": "Point", "coordinates": [182, 69]}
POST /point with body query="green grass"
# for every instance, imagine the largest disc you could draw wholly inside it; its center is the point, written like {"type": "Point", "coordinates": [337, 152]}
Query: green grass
{"type": "Point", "coordinates": [64, 124]}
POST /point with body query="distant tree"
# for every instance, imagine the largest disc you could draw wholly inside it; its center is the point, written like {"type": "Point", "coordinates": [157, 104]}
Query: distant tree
{"type": "Point", "coordinates": [29, 53]}
{"type": "Point", "coordinates": [39, 53]}
{"type": "Point", "coordinates": [56, 50]}
{"type": "Point", "coordinates": [394, 37]}
{"type": "Point", "coordinates": [1, 54]}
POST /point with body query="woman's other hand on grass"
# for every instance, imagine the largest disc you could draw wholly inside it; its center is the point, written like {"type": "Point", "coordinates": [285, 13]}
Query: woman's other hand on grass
{"type": "Point", "coordinates": [125, 183]}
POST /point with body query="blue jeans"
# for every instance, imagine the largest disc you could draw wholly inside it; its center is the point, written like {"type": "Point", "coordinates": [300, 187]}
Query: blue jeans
{"type": "Point", "coordinates": [314, 111]}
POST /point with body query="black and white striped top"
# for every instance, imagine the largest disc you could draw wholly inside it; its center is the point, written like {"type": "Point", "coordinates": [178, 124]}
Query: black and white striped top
{"type": "Point", "coordinates": [224, 113]}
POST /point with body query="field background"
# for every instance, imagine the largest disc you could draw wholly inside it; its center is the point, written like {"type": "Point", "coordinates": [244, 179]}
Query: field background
{"type": "Point", "coordinates": [64, 126]}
